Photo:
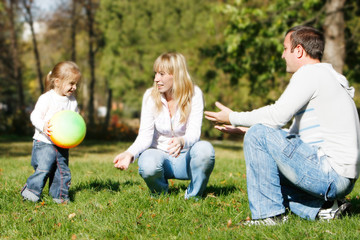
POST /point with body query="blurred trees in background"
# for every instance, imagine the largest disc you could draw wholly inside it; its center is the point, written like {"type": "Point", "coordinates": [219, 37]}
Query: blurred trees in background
{"type": "Point", "coordinates": [233, 49]}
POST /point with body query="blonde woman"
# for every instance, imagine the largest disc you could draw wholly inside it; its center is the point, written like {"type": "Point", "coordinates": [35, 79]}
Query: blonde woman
{"type": "Point", "coordinates": [168, 145]}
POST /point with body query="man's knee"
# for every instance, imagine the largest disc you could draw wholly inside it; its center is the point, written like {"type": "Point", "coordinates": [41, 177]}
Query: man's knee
{"type": "Point", "coordinates": [255, 130]}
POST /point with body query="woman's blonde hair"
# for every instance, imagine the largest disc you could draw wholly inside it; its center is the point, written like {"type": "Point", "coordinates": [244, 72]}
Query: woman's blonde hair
{"type": "Point", "coordinates": [183, 87]}
{"type": "Point", "coordinates": [64, 71]}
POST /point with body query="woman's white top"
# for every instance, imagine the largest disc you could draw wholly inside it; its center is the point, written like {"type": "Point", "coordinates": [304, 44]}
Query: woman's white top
{"type": "Point", "coordinates": [158, 128]}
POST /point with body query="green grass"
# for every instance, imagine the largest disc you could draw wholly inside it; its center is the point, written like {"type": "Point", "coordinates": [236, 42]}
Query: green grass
{"type": "Point", "coordinates": [110, 204]}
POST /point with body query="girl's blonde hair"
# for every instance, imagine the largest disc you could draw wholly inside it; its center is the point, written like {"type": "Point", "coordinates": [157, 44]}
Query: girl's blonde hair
{"type": "Point", "coordinates": [183, 87]}
{"type": "Point", "coordinates": [64, 71]}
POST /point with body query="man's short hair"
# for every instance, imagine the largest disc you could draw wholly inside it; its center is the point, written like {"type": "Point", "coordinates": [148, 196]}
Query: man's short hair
{"type": "Point", "coordinates": [311, 39]}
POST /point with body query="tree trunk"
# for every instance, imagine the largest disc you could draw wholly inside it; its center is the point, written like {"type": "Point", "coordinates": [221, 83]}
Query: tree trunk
{"type": "Point", "coordinates": [29, 20]}
{"type": "Point", "coordinates": [90, 23]}
{"type": "Point", "coordinates": [334, 31]}
{"type": "Point", "coordinates": [17, 75]}
{"type": "Point", "coordinates": [73, 30]}
{"type": "Point", "coordinates": [108, 110]}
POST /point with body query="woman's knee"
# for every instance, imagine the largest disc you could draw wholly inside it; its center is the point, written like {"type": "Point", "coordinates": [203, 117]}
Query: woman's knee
{"type": "Point", "coordinates": [203, 154]}
{"type": "Point", "coordinates": [150, 163]}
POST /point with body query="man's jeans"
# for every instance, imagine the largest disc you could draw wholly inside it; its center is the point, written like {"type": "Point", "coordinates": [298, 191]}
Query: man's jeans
{"type": "Point", "coordinates": [156, 167]}
{"type": "Point", "coordinates": [284, 172]}
{"type": "Point", "coordinates": [49, 161]}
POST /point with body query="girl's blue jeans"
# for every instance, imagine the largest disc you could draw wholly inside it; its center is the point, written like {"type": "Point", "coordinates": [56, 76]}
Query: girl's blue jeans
{"type": "Point", "coordinates": [196, 165]}
{"type": "Point", "coordinates": [284, 172]}
{"type": "Point", "coordinates": [49, 161]}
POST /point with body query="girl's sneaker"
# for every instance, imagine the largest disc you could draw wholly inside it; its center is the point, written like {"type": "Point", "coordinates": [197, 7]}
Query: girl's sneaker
{"type": "Point", "coordinates": [28, 195]}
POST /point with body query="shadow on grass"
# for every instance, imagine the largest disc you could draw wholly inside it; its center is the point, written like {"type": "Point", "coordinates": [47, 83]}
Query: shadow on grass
{"type": "Point", "coordinates": [210, 190]}
{"type": "Point", "coordinates": [99, 185]}
{"type": "Point", "coordinates": [221, 191]}
{"type": "Point", "coordinates": [16, 151]}
{"type": "Point", "coordinates": [99, 147]}
{"type": "Point", "coordinates": [355, 202]}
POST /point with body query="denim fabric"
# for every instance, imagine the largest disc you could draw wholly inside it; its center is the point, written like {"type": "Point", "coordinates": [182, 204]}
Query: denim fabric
{"type": "Point", "coordinates": [49, 161]}
{"type": "Point", "coordinates": [196, 164]}
{"type": "Point", "coordinates": [284, 172]}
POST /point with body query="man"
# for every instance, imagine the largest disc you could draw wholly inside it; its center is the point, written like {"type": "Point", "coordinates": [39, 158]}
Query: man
{"type": "Point", "coordinates": [309, 167]}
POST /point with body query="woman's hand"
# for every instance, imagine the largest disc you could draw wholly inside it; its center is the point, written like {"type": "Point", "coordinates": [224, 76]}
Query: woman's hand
{"type": "Point", "coordinates": [175, 146]}
{"type": "Point", "coordinates": [123, 160]}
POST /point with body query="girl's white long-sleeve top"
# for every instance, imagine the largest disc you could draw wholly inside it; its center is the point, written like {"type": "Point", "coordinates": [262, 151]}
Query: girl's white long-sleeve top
{"type": "Point", "coordinates": [47, 105]}
{"type": "Point", "coordinates": [157, 128]}
{"type": "Point", "coordinates": [325, 115]}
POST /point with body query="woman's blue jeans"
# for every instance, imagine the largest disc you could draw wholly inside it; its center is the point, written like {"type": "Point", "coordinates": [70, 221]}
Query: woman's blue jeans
{"type": "Point", "coordinates": [284, 172]}
{"type": "Point", "coordinates": [196, 164]}
{"type": "Point", "coordinates": [49, 161]}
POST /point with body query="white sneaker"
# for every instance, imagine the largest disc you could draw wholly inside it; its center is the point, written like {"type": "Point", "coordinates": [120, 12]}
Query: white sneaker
{"type": "Point", "coordinates": [337, 210]}
{"type": "Point", "coordinates": [27, 195]}
{"type": "Point", "coordinates": [270, 221]}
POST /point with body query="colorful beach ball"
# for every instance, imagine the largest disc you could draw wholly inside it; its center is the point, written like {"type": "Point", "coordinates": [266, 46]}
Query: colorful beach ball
{"type": "Point", "coordinates": [68, 129]}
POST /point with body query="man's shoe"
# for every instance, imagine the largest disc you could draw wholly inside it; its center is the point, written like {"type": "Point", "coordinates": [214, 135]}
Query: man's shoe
{"type": "Point", "coordinates": [338, 210]}
{"type": "Point", "coordinates": [270, 221]}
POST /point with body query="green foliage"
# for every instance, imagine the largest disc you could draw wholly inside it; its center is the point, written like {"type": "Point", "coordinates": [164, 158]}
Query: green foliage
{"type": "Point", "coordinates": [112, 204]}
{"type": "Point", "coordinates": [136, 32]}
{"type": "Point", "coordinates": [233, 49]}
{"type": "Point", "coordinates": [251, 53]}
{"type": "Point", "coordinates": [352, 36]}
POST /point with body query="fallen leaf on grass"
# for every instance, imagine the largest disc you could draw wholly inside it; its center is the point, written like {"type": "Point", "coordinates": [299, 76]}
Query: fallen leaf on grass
{"type": "Point", "coordinates": [229, 223]}
{"type": "Point", "coordinates": [140, 215]}
{"type": "Point", "coordinates": [211, 195]}
{"type": "Point", "coordinates": [72, 215]}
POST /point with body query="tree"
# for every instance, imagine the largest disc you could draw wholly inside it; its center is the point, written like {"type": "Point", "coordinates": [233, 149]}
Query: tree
{"type": "Point", "coordinates": [334, 31]}
{"type": "Point", "coordinates": [136, 32]}
{"type": "Point", "coordinates": [74, 21]}
{"type": "Point", "coordinates": [16, 63]}
{"type": "Point", "coordinates": [29, 19]}
{"type": "Point", "coordinates": [90, 9]}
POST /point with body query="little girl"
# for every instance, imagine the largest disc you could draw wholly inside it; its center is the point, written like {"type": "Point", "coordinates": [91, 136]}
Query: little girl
{"type": "Point", "coordinates": [48, 160]}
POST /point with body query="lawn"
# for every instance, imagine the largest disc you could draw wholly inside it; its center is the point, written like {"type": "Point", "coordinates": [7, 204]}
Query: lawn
{"type": "Point", "coordinates": [110, 204]}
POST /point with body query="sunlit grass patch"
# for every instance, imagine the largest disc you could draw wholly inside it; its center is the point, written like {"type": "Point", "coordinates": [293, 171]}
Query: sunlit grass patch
{"type": "Point", "coordinates": [110, 204]}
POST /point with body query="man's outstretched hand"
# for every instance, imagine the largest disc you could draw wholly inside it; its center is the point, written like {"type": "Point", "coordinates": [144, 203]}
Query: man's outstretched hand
{"type": "Point", "coordinates": [231, 129]}
{"type": "Point", "coordinates": [221, 117]}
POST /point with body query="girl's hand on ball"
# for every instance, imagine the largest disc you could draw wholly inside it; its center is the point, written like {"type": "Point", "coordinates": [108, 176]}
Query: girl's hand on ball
{"type": "Point", "coordinates": [123, 160]}
{"type": "Point", "coordinates": [47, 128]}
